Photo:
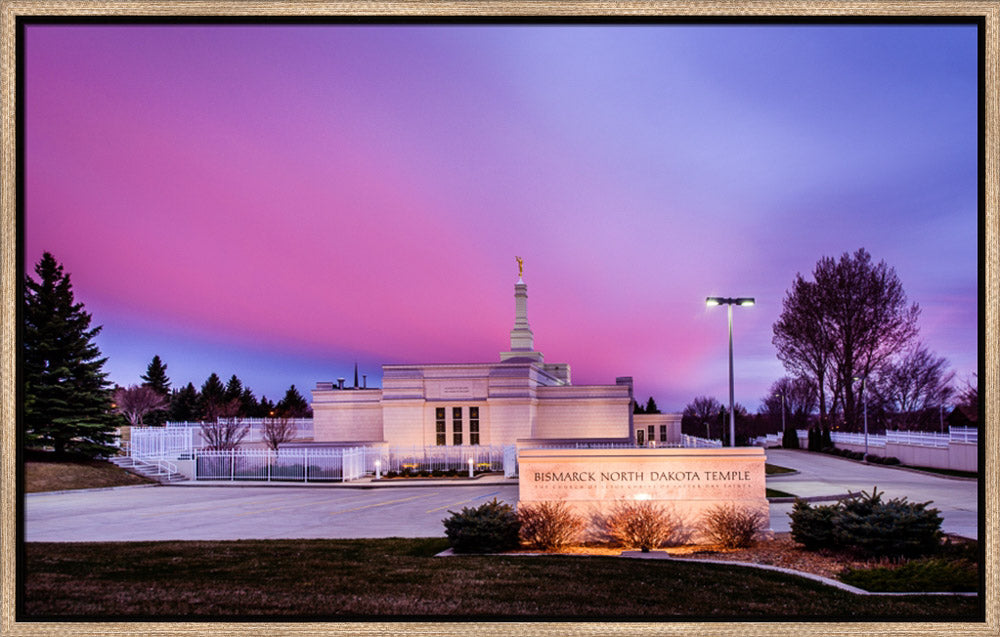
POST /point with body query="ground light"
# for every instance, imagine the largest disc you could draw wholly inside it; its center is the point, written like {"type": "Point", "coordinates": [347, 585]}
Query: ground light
{"type": "Point", "coordinates": [730, 301]}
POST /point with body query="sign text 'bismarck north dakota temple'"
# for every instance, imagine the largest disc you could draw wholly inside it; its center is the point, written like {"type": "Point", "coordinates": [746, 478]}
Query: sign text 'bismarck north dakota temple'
{"type": "Point", "coordinates": [688, 482]}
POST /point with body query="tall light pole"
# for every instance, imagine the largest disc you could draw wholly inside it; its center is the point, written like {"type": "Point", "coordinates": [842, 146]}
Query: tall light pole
{"type": "Point", "coordinates": [746, 302]}
{"type": "Point", "coordinates": [864, 400]}
{"type": "Point", "coordinates": [782, 416]}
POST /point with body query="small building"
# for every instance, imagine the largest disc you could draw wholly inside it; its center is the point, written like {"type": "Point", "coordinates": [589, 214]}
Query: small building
{"type": "Point", "coordinates": [520, 398]}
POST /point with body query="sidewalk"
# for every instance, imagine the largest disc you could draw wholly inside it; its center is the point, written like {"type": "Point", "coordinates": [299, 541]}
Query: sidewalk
{"type": "Point", "coordinates": [822, 475]}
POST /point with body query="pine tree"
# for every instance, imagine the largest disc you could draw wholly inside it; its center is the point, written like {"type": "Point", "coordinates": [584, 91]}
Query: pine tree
{"type": "Point", "coordinates": [293, 405]}
{"type": "Point", "coordinates": [651, 407]}
{"type": "Point", "coordinates": [184, 404]}
{"type": "Point", "coordinates": [266, 408]}
{"type": "Point", "coordinates": [234, 388]}
{"type": "Point", "coordinates": [212, 398]}
{"type": "Point", "coordinates": [248, 404]}
{"type": "Point", "coordinates": [156, 379]}
{"type": "Point", "coordinates": [67, 399]}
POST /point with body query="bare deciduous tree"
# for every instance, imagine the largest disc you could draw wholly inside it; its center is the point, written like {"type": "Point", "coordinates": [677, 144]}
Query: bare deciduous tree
{"type": "Point", "coordinates": [278, 429]}
{"type": "Point", "coordinates": [846, 324]}
{"type": "Point", "coordinates": [135, 401]}
{"type": "Point", "coordinates": [915, 383]}
{"type": "Point", "coordinates": [800, 400]}
{"type": "Point", "coordinates": [227, 431]}
{"type": "Point", "coordinates": [701, 414]}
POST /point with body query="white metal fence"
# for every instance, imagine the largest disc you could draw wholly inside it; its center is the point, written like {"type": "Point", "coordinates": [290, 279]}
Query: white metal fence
{"type": "Point", "coordinates": [696, 442]}
{"type": "Point", "coordinates": [299, 465]}
{"type": "Point", "coordinates": [964, 434]}
{"type": "Point", "coordinates": [255, 427]}
{"type": "Point", "coordinates": [158, 442]}
{"type": "Point", "coordinates": [434, 458]}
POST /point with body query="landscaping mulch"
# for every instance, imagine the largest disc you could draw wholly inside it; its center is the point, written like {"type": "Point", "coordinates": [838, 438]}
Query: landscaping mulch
{"type": "Point", "coordinates": [781, 551]}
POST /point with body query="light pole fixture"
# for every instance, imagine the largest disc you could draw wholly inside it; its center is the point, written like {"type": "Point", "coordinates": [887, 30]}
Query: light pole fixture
{"type": "Point", "coordinates": [864, 401]}
{"type": "Point", "coordinates": [782, 416]}
{"type": "Point", "coordinates": [730, 301]}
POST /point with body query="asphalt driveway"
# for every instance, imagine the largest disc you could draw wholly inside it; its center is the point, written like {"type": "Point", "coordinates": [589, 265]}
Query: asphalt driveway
{"type": "Point", "coordinates": [261, 512]}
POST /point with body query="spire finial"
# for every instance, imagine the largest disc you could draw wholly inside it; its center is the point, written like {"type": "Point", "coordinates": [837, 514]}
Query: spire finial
{"type": "Point", "coordinates": [520, 267]}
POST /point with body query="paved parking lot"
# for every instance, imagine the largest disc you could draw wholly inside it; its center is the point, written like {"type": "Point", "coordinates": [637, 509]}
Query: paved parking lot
{"type": "Point", "coordinates": [262, 512]}
{"type": "Point", "coordinates": [237, 512]}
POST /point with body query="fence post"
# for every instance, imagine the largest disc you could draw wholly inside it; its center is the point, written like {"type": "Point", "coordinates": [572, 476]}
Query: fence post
{"type": "Point", "coordinates": [232, 465]}
{"type": "Point", "coordinates": [269, 464]}
{"type": "Point", "coordinates": [305, 464]}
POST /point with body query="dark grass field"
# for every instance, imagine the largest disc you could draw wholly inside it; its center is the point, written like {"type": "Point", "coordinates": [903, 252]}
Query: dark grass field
{"type": "Point", "coordinates": [44, 471]}
{"type": "Point", "coordinates": [401, 578]}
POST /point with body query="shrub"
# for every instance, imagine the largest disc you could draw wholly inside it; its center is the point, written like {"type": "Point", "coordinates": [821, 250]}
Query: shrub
{"type": "Point", "coordinates": [890, 460]}
{"type": "Point", "coordinates": [893, 528]}
{"type": "Point", "coordinates": [548, 525]}
{"type": "Point", "coordinates": [923, 575]}
{"type": "Point", "coordinates": [866, 525]}
{"type": "Point", "coordinates": [734, 527]}
{"type": "Point", "coordinates": [641, 525]}
{"type": "Point", "coordinates": [437, 473]}
{"type": "Point", "coordinates": [790, 439]}
{"type": "Point", "coordinates": [812, 526]}
{"type": "Point", "coordinates": [491, 527]}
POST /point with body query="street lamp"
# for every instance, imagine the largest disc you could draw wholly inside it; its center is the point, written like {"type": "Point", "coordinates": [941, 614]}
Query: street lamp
{"type": "Point", "coordinates": [782, 417]}
{"type": "Point", "coordinates": [745, 302]}
{"type": "Point", "coordinates": [863, 379]}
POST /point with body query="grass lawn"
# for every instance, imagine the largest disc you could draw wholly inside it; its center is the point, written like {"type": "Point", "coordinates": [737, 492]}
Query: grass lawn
{"type": "Point", "coordinates": [385, 578]}
{"type": "Point", "coordinates": [44, 473]}
{"type": "Point", "coordinates": [774, 469]}
{"type": "Point", "coordinates": [774, 493]}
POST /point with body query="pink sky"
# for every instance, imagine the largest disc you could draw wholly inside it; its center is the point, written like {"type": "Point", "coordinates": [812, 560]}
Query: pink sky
{"type": "Point", "coordinates": [280, 202]}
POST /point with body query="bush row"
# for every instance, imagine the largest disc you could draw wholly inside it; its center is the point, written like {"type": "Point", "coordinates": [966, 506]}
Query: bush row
{"type": "Point", "coordinates": [494, 527]}
{"type": "Point", "coordinates": [869, 526]}
{"type": "Point", "coordinates": [857, 455]}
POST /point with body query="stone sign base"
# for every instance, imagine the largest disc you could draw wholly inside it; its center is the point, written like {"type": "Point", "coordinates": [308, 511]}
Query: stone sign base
{"type": "Point", "coordinates": [687, 483]}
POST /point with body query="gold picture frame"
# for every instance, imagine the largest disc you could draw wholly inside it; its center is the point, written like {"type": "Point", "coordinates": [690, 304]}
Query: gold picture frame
{"type": "Point", "coordinates": [988, 11]}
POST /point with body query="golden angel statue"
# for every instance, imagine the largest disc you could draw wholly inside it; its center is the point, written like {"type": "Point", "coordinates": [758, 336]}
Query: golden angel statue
{"type": "Point", "coordinates": [520, 267]}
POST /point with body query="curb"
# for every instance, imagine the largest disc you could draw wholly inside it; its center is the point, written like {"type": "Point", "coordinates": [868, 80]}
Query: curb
{"type": "Point", "coordinates": [659, 555]}
{"type": "Point", "coordinates": [813, 498]}
{"type": "Point", "coordinates": [94, 490]}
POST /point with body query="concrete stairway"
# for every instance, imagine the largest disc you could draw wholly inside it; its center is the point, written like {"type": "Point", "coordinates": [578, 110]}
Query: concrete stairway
{"type": "Point", "coordinates": [148, 469]}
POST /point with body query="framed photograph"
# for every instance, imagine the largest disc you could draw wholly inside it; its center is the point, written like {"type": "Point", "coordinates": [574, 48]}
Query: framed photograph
{"type": "Point", "coordinates": [277, 256]}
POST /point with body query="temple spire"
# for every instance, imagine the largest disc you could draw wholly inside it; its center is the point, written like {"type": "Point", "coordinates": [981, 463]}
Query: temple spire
{"type": "Point", "coordinates": [522, 339]}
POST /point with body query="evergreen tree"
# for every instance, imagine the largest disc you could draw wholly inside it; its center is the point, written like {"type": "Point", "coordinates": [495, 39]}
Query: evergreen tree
{"type": "Point", "coordinates": [651, 407]}
{"type": "Point", "coordinates": [184, 404]}
{"type": "Point", "coordinates": [156, 379]}
{"type": "Point", "coordinates": [293, 405]}
{"type": "Point", "coordinates": [211, 399]}
{"type": "Point", "coordinates": [67, 399]}
{"type": "Point", "coordinates": [234, 388]}
{"type": "Point", "coordinates": [637, 408]}
{"type": "Point", "coordinates": [266, 408]}
{"type": "Point", "coordinates": [248, 404]}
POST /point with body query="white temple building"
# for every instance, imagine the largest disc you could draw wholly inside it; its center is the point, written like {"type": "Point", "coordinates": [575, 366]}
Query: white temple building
{"type": "Point", "coordinates": [520, 399]}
